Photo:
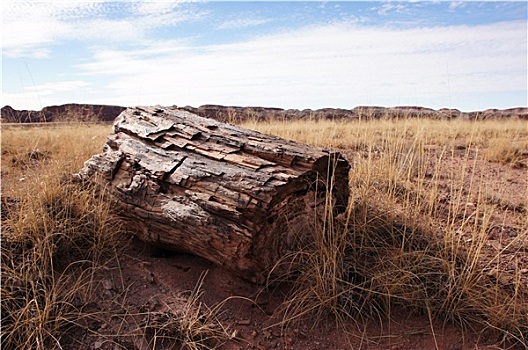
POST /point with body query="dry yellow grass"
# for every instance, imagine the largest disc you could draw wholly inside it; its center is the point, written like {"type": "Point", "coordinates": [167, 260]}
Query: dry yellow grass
{"type": "Point", "coordinates": [55, 234]}
{"type": "Point", "coordinates": [400, 244]}
{"type": "Point", "coordinates": [58, 236]}
{"type": "Point", "coordinates": [358, 135]}
{"type": "Point", "coordinates": [46, 151]}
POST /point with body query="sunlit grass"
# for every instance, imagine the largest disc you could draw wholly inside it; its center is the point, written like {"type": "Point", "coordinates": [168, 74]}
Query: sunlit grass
{"type": "Point", "coordinates": [407, 240]}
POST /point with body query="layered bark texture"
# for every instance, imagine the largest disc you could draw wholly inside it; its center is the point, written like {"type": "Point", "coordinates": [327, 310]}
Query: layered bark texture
{"type": "Point", "coordinates": [239, 198]}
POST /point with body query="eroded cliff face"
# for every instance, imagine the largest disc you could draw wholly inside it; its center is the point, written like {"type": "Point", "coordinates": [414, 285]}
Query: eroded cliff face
{"type": "Point", "coordinates": [63, 113]}
{"type": "Point", "coordinates": [238, 114]}
{"type": "Point", "coordinates": [235, 114]}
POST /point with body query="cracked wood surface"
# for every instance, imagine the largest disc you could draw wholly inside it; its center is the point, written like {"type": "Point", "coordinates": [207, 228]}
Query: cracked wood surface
{"type": "Point", "coordinates": [236, 197]}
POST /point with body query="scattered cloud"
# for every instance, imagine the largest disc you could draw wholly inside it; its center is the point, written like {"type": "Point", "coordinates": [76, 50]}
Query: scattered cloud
{"type": "Point", "coordinates": [453, 5]}
{"type": "Point", "coordinates": [60, 86]}
{"type": "Point", "coordinates": [241, 23]}
{"type": "Point", "coordinates": [30, 28]}
{"type": "Point", "coordinates": [125, 60]}
{"type": "Point", "coordinates": [154, 8]}
{"type": "Point", "coordinates": [47, 94]}
{"type": "Point", "coordinates": [152, 15]}
{"type": "Point", "coordinates": [391, 7]}
{"type": "Point", "coordinates": [323, 64]}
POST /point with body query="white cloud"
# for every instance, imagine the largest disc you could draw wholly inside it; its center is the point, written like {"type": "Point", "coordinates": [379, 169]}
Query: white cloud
{"type": "Point", "coordinates": [341, 64]}
{"type": "Point", "coordinates": [155, 7]}
{"type": "Point", "coordinates": [390, 7]}
{"type": "Point", "coordinates": [60, 86]}
{"type": "Point", "coordinates": [23, 100]}
{"type": "Point", "coordinates": [329, 65]}
{"type": "Point", "coordinates": [47, 94]}
{"type": "Point", "coordinates": [453, 5]}
{"type": "Point", "coordinates": [155, 14]}
{"type": "Point", "coordinates": [30, 28]}
{"type": "Point", "coordinates": [240, 23]}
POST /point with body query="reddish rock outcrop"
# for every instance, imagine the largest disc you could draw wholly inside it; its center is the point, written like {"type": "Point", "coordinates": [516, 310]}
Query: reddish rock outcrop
{"type": "Point", "coordinates": [63, 113]}
{"type": "Point", "coordinates": [235, 114]}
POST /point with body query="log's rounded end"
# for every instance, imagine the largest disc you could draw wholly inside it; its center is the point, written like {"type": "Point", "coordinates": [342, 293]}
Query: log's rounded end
{"type": "Point", "coordinates": [299, 210]}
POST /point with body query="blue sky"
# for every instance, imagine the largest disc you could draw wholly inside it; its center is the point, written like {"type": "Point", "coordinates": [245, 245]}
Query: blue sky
{"type": "Point", "coordinates": [470, 55]}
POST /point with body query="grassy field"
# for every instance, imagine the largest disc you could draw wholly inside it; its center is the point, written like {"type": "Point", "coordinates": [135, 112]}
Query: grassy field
{"type": "Point", "coordinates": [55, 235]}
{"type": "Point", "coordinates": [425, 206]}
{"type": "Point", "coordinates": [417, 228]}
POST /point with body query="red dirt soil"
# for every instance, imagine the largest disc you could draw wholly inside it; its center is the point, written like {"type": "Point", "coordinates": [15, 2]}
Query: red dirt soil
{"type": "Point", "coordinates": [159, 285]}
{"type": "Point", "coordinates": [145, 287]}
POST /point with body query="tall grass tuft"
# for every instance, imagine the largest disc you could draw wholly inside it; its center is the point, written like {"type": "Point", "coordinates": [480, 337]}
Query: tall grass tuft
{"type": "Point", "coordinates": [56, 235]}
{"type": "Point", "coordinates": [53, 242]}
{"type": "Point", "coordinates": [408, 240]}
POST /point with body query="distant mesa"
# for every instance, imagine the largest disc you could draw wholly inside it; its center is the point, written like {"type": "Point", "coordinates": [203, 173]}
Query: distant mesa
{"type": "Point", "coordinates": [233, 114]}
{"type": "Point", "coordinates": [63, 113]}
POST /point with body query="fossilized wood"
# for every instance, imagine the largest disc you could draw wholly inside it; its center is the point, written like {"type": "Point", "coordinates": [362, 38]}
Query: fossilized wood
{"type": "Point", "coordinates": [236, 197]}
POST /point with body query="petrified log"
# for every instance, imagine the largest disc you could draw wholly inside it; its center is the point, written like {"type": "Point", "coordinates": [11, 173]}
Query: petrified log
{"type": "Point", "coordinates": [236, 197]}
